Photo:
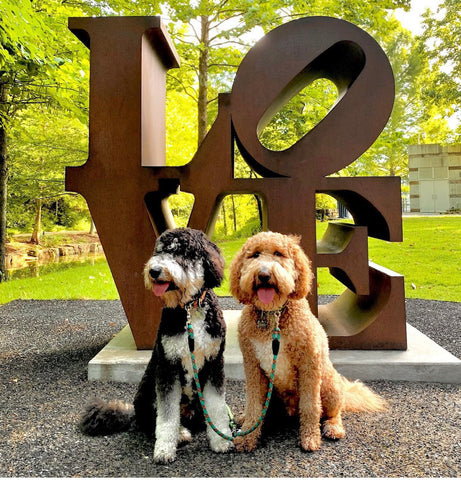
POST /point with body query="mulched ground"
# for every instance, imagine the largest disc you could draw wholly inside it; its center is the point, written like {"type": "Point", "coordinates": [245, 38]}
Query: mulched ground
{"type": "Point", "coordinates": [44, 350]}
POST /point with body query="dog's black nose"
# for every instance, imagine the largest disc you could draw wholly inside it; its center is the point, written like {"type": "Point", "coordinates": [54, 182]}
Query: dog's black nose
{"type": "Point", "coordinates": [264, 275]}
{"type": "Point", "coordinates": [155, 272]}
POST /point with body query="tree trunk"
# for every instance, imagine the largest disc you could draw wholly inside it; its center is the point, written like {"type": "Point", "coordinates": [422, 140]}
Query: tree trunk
{"type": "Point", "coordinates": [393, 161]}
{"type": "Point", "coordinates": [203, 80]}
{"type": "Point", "coordinates": [234, 213]}
{"type": "Point", "coordinates": [38, 222]}
{"type": "Point", "coordinates": [260, 211]}
{"type": "Point", "coordinates": [3, 186]}
{"type": "Point", "coordinates": [92, 228]}
{"type": "Point", "coordinates": [223, 206]}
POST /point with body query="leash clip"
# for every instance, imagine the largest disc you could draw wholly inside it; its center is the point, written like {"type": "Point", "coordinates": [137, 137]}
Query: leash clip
{"type": "Point", "coordinates": [188, 308]}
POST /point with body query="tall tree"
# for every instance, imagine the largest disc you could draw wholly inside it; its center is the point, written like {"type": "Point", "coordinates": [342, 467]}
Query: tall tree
{"type": "Point", "coordinates": [420, 111]}
{"type": "Point", "coordinates": [43, 141]}
{"type": "Point", "coordinates": [22, 58]}
{"type": "Point", "coordinates": [34, 69]}
{"type": "Point", "coordinates": [212, 37]}
{"type": "Point", "coordinates": [441, 41]}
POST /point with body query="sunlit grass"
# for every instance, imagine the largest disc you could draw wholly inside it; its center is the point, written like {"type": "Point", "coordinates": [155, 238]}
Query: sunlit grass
{"type": "Point", "coordinates": [429, 258]}
{"type": "Point", "coordinates": [82, 281]}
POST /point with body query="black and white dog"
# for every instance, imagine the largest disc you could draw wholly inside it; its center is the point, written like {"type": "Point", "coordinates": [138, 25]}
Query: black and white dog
{"type": "Point", "coordinates": [183, 269]}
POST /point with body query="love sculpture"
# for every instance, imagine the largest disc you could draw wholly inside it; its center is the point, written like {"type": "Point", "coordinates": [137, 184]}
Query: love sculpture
{"type": "Point", "coordinates": [127, 185]}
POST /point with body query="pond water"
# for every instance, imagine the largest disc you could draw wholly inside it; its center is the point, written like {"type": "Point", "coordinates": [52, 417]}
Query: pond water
{"type": "Point", "coordinates": [37, 269]}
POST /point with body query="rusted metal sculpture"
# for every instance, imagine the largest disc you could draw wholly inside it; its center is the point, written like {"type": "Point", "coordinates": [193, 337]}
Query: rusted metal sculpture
{"type": "Point", "coordinates": [127, 184]}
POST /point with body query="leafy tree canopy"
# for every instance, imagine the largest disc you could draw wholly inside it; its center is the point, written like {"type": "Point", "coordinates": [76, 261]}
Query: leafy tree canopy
{"type": "Point", "coordinates": [44, 73]}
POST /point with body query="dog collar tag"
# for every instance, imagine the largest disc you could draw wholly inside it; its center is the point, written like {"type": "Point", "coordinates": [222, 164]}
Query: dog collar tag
{"type": "Point", "coordinates": [268, 318]}
{"type": "Point", "coordinates": [262, 323]}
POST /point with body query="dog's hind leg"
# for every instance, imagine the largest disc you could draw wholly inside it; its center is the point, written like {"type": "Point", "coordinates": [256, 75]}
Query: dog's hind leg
{"type": "Point", "coordinates": [332, 393]}
{"type": "Point", "coordinates": [144, 404]}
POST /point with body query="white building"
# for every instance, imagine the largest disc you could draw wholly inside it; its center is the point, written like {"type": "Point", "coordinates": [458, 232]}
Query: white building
{"type": "Point", "coordinates": [435, 178]}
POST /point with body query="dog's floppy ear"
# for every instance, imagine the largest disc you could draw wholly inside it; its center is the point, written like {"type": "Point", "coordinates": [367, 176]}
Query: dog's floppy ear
{"type": "Point", "coordinates": [213, 263]}
{"type": "Point", "coordinates": [303, 268]}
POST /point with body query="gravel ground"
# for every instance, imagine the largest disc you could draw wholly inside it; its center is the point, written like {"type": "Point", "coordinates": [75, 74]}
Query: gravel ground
{"type": "Point", "coordinates": [44, 350]}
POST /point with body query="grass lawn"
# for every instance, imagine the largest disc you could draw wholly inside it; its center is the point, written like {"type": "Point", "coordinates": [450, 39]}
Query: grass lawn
{"type": "Point", "coordinates": [78, 281]}
{"type": "Point", "coordinates": [429, 258]}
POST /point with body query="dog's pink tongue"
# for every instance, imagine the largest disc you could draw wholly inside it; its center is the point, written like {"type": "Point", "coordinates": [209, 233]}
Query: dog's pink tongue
{"type": "Point", "coordinates": [266, 295]}
{"type": "Point", "coordinates": [160, 288]}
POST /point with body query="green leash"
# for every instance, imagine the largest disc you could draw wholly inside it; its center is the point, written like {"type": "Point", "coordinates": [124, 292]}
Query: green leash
{"type": "Point", "coordinates": [235, 433]}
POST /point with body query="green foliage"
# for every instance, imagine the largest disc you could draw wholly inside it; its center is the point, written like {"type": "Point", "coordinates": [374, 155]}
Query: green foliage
{"type": "Point", "coordinates": [181, 206]}
{"type": "Point", "coordinates": [211, 39]}
{"type": "Point", "coordinates": [43, 141]}
{"type": "Point", "coordinates": [441, 41]}
{"type": "Point", "coordinates": [181, 128]}
{"type": "Point", "coordinates": [325, 202]}
{"type": "Point", "coordinates": [239, 218]}
{"type": "Point", "coordinates": [21, 41]}
{"type": "Point", "coordinates": [34, 67]}
{"type": "Point", "coordinates": [43, 113]}
{"type": "Point", "coordinates": [299, 115]}
{"type": "Point", "coordinates": [45, 72]}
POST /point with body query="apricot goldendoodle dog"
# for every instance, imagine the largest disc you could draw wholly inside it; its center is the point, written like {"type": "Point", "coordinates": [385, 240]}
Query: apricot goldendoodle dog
{"type": "Point", "coordinates": [271, 276]}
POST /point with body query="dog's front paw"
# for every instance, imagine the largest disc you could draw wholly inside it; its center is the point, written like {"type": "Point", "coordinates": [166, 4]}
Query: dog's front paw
{"type": "Point", "coordinates": [184, 435]}
{"type": "Point", "coordinates": [239, 418]}
{"type": "Point", "coordinates": [221, 445]}
{"type": "Point", "coordinates": [164, 452]}
{"type": "Point", "coordinates": [333, 430]}
{"type": "Point", "coordinates": [310, 443]}
{"type": "Point", "coordinates": [247, 443]}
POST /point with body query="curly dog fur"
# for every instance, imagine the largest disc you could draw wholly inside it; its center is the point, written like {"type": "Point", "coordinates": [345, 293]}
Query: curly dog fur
{"type": "Point", "coordinates": [183, 269]}
{"type": "Point", "coordinates": [271, 276]}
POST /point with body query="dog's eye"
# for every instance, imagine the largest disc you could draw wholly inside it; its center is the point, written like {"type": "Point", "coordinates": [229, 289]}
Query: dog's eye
{"type": "Point", "coordinates": [254, 255]}
{"type": "Point", "coordinates": [278, 254]}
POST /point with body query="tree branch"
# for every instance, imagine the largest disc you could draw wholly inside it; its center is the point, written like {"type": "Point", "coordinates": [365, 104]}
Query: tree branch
{"type": "Point", "coordinates": [223, 65]}
{"type": "Point", "coordinates": [184, 87]}
{"type": "Point", "coordinates": [212, 100]}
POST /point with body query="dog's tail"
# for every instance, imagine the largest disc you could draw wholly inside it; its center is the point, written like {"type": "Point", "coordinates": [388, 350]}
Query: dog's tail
{"type": "Point", "coordinates": [105, 418]}
{"type": "Point", "coordinates": [359, 398]}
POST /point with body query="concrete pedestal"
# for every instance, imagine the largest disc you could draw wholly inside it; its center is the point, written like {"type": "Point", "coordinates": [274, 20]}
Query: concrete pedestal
{"type": "Point", "coordinates": [423, 361]}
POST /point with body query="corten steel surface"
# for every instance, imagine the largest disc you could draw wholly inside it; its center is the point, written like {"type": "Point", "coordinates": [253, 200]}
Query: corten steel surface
{"type": "Point", "coordinates": [126, 182]}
